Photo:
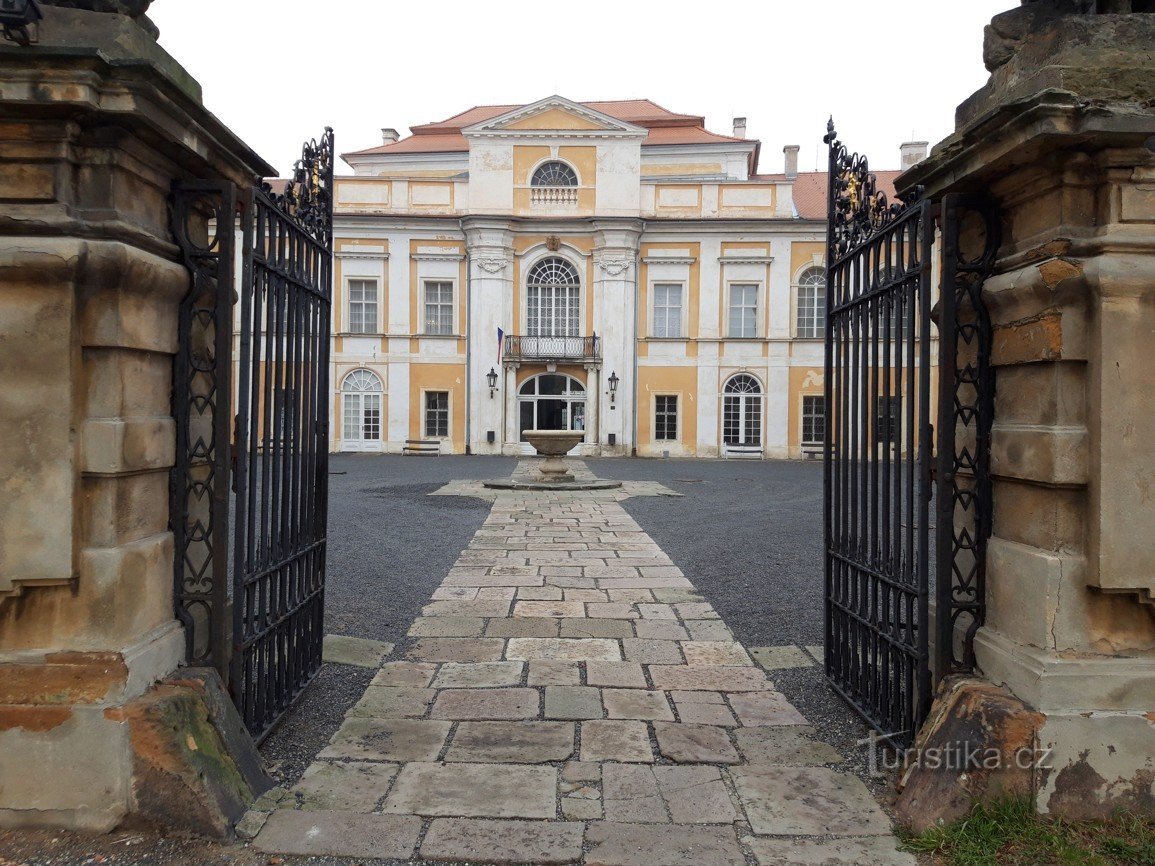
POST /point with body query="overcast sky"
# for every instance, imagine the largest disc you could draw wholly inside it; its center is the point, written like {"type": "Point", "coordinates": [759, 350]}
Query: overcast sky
{"type": "Point", "coordinates": [278, 71]}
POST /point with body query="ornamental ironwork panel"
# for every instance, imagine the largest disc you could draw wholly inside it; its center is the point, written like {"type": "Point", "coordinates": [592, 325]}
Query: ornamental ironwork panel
{"type": "Point", "coordinates": [251, 400]}
{"type": "Point", "coordinates": [282, 438]}
{"type": "Point", "coordinates": [878, 436]}
{"type": "Point", "coordinates": [202, 223]}
{"type": "Point", "coordinates": [971, 237]}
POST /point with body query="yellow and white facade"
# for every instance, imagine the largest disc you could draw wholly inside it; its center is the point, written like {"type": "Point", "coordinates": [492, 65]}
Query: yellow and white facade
{"type": "Point", "coordinates": [651, 287]}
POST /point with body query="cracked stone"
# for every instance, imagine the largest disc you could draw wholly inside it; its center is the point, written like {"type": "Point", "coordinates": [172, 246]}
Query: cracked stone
{"type": "Point", "coordinates": [695, 744]}
{"type": "Point", "coordinates": [512, 742]}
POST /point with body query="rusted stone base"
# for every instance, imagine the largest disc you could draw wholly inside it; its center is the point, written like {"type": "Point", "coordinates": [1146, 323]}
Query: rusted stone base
{"type": "Point", "coordinates": [195, 767]}
{"type": "Point", "coordinates": [977, 746]}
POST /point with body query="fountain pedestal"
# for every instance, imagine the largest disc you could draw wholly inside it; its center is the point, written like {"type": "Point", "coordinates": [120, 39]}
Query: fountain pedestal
{"type": "Point", "coordinates": [553, 474]}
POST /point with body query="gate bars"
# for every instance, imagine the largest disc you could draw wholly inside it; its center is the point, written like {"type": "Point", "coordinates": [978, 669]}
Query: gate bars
{"type": "Point", "coordinates": [263, 629]}
{"type": "Point", "coordinates": [879, 391]}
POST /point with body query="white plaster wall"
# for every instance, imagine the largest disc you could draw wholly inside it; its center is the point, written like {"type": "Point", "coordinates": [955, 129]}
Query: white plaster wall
{"type": "Point", "coordinates": [619, 172]}
{"type": "Point", "coordinates": [490, 176]}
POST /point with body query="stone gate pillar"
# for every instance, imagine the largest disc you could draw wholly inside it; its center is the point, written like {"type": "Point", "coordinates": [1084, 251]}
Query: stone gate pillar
{"type": "Point", "coordinates": [1063, 138]}
{"type": "Point", "coordinates": [96, 122]}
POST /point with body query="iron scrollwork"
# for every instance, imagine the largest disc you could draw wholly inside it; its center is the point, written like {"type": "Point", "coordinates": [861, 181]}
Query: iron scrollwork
{"type": "Point", "coordinates": [202, 220]}
{"type": "Point", "coordinates": [966, 412]}
{"type": "Point", "coordinates": [858, 208]}
{"type": "Point", "coordinates": [308, 196]}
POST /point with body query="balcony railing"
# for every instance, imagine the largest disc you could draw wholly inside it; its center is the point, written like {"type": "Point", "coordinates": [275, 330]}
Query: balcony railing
{"type": "Point", "coordinates": [553, 195]}
{"type": "Point", "coordinates": [543, 348]}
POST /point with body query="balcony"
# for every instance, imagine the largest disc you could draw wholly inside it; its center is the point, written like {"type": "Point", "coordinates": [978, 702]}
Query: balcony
{"type": "Point", "coordinates": [541, 348]}
{"type": "Point", "coordinates": [553, 195]}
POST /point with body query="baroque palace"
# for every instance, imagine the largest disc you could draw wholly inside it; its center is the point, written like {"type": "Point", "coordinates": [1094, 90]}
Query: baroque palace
{"type": "Point", "coordinates": [611, 267]}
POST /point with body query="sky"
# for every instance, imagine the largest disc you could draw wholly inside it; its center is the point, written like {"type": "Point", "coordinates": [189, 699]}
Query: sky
{"type": "Point", "coordinates": [279, 71]}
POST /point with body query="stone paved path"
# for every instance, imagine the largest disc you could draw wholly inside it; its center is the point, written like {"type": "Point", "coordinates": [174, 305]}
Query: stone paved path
{"type": "Point", "coordinates": [569, 698]}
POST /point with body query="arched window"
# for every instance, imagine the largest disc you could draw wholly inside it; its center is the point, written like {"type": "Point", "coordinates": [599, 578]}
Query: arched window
{"type": "Point", "coordinates": [554, 173]}
{"type": "Point", "coordinates": [361, 411]}
{"type": "Point", "coordinates": [553, 299]}
{"type": "Point", "coordinates": [742, 411]}
{"type": "Point", "coordinates": [812, 303]}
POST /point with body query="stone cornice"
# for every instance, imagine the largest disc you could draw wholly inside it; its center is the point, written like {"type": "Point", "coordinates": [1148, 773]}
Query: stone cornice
{"type": "Point", "coordinates": [745, 260]}
{"type": "Point", "coordinates": [356, 254]}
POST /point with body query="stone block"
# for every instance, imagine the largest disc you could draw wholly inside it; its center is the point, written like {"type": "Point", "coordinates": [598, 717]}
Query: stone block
{"type": "Point", "coordinates": [875, 850]}
{"type": "Point", "coordinates": [647, 845]}
{"type": "Point", "coordinates": [709, 629]}
{"type": "Point", "coordinates": [387, 702]}
{"type": "Point", "coordinates": [660, 629]}
{"type": "Point", "coordinates": [474, 840]}
{"type": "Point", "coordinates": [547, 673]}
{"type": "Point", "coordinates": [657, 611]}
{"type": "Point", "coordinates": [572, 702]}
{"type": "Point", "coordinates": [695, 744]}
{"type": "Point", "coordinates": [342, 786]}
{"type": "Point", "coordinates": [622, 675]}
{"type": "Point", "coordinates": [549, 608]}
{"type": "Point", "coordinates": [339, 834]}
{"type": "Point", "coordinates": [557, 649]}
{"type": "Point", "coordinates": [765, 708]}
{"type": "Point", "coordinates": [388, 740]}
{"type": "Point", "coordinates": [652, 652]}
{"type": "Point", "coordinates": [512, 742]}
{"type": "Point", "coordinates": [596, 628]}
{"type": "Point", "coordinates": [630, 794]}
{"type": "Point", "coordinates": [524, 627]}
{"type": "Point", "coordinates": [714, 653]}
{"type": "Point", "coordinates": [447, 626]}
{"type": "Point", "coordinates": [616, 741]}
{"type": "Point", "coordinates": [481, 675]}
{"type": "Point", "coordinates": [709, 679]}
{"type": "Point", "coordinates": [486, 704]}
{"type": "Point", "coordinates": [969, 717]}
{"type": "Point", "coordinates": [445, 649]}
{"type": "Point", "coordinates": [344, 650]}
{"type": "Point", "coordinates": [402, 674]}
{"type": "Point", "coordinates": [454, 790]}
{"type": "Point", "coordinates": [636, 704]}
{"type": "Point", "coordinates": [807, 801]}
{"type": "Point", "coordinates": [777, 658]}
{"type": "Point", "coordinates": [789, 745]}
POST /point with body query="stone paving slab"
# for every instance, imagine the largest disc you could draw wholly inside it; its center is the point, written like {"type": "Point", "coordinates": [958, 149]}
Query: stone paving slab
{"type": "Point", "coordinates": [474, 791]}
{"type": "Point", "coordinates": [869, 851]}
{"type": "Point", "coordinates": [661, 845]}
{"type": "Point", "coordinates": [567, 678]}
{"type": "Point", "coordinates": [343, 650]}
{"type": "Point", "coordinates": [475, 840]}
{"type": "Point", "coordinates": [341, 834]}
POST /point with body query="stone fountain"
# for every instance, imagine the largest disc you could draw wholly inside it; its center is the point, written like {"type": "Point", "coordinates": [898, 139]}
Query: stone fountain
{"type": "Point", "coordinates": [553, 474]}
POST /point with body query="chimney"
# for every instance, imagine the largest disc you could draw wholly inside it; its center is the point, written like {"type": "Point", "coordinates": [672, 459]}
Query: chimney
{"type": "Point", "coordinates": [791, 151]}
{"type": "Point", "coordinates": [739, 127]}
{"type": "Point", "coordinates": [911, 153]}
{"type": "Point", "coordinates": [388, 135]}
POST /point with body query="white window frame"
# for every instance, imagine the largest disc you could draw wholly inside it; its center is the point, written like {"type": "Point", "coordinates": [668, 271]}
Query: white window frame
{"type": "Point", "coordinates": [373, 327]}
{"type": "Point", "coordinates": [425, 434]}
{"type": "Point", "coordinates": [678, 332]}
{"type": "Point", "coordinates": [425, 328]}
{"type": "Point", "coordinates": [542, 162]}
{"type": "Point", "coordinates": [730, 286]}
{"type": "Point", "coordinates": [816, 325]}
{"type": "Point", "coordinates": [803, 416]}
{"type": "Point", "coordinates": [677, 398]}
{"type": "Point", "coordinates": [359, 401]}
{"type": "Point", "coordinates": [535, 329]}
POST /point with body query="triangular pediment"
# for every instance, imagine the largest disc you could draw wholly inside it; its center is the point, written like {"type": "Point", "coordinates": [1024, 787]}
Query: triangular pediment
{"type": "Point", "coordinates": [554, 116]}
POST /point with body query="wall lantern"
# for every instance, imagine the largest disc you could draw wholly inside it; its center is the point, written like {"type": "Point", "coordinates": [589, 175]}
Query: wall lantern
{"type": "Point", "coordinates": [491, 378]}
{"type": "Point", "coordinates": [16, 16]}
{"type": "Point", "coordinates": [613, 380]}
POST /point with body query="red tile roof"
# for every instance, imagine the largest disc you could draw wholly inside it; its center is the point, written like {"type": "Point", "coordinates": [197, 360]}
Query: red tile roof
{"type": "Point", "coordinates": [810, 191]}
{"type": "Point", "coordinates": [666, 127]}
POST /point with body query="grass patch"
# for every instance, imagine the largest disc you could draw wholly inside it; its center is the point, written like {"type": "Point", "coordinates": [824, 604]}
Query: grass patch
{"type": "Point", "coordinates": [1012, 834]}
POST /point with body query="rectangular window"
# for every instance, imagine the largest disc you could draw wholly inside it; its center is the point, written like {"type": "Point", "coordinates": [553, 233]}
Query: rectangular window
{"type": "Point", "coordinates": [437, 413]}
{"type": "Point", "coordinates": [813, 420]}
{"type": "Point", "coordinates": [811, 311]}
{"type": "Point", "coordinates": [553, 311]}
{"type": "Point", "coordinates": [667, 310]}
{"type": "Point", "coordinates": [438, 307]}
{"type": "Point", "coordinates": [888, 420]}
{"type": "Point", "coordinates": [362, 306]}
{"type": "Point", "coordinates": [666, 418]}
{"type": "Point", "coordinates": [743, 309]}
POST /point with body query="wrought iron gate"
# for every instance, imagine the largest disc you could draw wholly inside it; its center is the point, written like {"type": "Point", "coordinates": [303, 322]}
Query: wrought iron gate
{"type": "Point", "coordinates": [880, 393]}
{"type": "Point", "coordinates": [263, 628]}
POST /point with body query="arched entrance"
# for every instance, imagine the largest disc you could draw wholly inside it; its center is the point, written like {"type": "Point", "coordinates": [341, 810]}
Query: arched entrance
{"type": "Point", "coordinates": [550, 401]}
{"type": "Point", "coordinates": [742, 416]}
{"type": "Point", "coordinates": [361, 411]}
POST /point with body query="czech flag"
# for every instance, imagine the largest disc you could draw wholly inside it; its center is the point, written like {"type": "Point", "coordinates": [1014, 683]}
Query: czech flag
{"type": "Point", "coordinates": [500, 344]}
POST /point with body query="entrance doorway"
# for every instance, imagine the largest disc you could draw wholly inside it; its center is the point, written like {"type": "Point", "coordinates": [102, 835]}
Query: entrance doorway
{"type": "Point", "coordinates": [551, 401]}
{"type": "Point", "coordinates": [361, 412]}
{"type": "Point", "coordinates": [742, 417]}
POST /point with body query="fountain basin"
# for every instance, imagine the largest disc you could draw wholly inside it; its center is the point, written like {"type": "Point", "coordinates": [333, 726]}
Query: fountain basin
{"type": "Point", "coordinates": [553, 445]}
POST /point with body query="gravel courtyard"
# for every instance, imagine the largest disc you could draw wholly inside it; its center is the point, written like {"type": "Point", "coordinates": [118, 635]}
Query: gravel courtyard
{"type": "Point", "coordinates": [748, 533]}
